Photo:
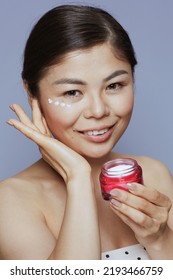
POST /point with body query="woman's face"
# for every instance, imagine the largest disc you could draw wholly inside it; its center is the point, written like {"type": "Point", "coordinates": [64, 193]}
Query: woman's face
{"type": "Point", "coordinates": [87, 100]}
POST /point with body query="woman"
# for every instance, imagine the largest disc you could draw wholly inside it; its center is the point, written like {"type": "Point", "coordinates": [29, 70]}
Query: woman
{"type": "Point", "coordinates": [78, 72]}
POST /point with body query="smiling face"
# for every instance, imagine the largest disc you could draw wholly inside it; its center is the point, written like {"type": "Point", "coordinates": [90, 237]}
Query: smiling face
{"type": "Point", "coordinates": [87, 100]}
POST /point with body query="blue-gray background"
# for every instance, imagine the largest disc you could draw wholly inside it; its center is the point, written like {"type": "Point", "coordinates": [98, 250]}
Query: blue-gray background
{"type": "Point", "coordinates": [150, 26]}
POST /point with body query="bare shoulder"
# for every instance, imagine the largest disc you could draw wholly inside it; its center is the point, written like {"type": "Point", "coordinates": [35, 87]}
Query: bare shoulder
{"type": "Point", "coordinates": [156, 174]}
{"type": "Point", "coordinates": [28, 202]}
{"type": "Point", "coordinates": [34, 183]}
{"type": "Point", "coordinates": [37, 189]}
{"type": "Point", "coordinates": [22, 189]}
{"type": "Point", "coordinates": [13, 193]}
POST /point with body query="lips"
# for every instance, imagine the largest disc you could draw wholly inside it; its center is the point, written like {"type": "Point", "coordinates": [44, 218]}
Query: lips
{"type": "Point", "coordinates": [96, 132]}
{"type": "Point", "coordinates": [97, 135]}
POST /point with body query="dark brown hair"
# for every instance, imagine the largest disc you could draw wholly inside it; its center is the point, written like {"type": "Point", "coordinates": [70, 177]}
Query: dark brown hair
{"type": "Point", "coordinates": [68, 28]}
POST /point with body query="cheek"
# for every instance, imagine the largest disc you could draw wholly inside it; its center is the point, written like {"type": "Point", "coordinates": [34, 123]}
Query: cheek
{"type": "Point", "coordinates": [124, 106]}
{"type": "Point", "coordinates": [59, 119]}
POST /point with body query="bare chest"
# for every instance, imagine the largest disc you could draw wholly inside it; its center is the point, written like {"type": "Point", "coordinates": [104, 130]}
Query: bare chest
{"type": "Point", "coordinates": [113, 232]}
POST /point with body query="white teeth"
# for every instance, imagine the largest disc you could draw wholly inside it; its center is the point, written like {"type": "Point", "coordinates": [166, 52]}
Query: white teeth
{"type": "Point", "coordinates": [96, 132]}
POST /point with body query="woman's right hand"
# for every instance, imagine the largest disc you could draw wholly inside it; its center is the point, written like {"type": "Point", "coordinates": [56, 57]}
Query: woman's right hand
{"type": "Point", "coordinates": [63, 159]}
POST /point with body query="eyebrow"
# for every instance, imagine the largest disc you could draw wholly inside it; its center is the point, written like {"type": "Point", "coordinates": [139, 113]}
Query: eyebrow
{"type": "Point", "coordinates": [115, 74]}
{"type": "Point", "coordinates": [80, 82]}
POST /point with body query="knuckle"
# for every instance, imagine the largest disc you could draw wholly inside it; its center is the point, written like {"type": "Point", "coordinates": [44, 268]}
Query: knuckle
{"type": "Point", "coordinates": [156, 226]}
{"type": "Point", "coordinates": [142, 219]}
{"type": "Point", "coordinates": [125, 196]}
{"type": "Point", "coordinates": [156, 195]}
{"type": "Point", "coordinates": [124, 208]}
{"type": "Point", "coordinates": [163, 217]}
{"type": "Point", "coordinates": [143, 204]}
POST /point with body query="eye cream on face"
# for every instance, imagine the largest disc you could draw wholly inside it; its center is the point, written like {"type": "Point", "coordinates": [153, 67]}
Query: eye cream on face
{"type": "Point", "coordinates": [60, 104]}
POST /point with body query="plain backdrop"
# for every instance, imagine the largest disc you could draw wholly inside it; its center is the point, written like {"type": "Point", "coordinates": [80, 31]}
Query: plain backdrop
{"type": "Point", "coordinates": [149, 24]}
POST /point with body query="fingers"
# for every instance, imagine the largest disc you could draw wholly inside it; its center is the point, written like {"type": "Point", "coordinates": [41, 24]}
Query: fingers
{"type": "Point", "coordinates": [35, 132]}
{"type": "Point", "coordinates": [146, 230]}
{"type": "Point", "coordinates": [29, 131]}
{"type": "Point", "coordinates": [50, 145]}
{"type": "Point", "coordinates": [145, 195]}
{"type": "Point", "coordinates": [132, 217]}
{"type": "Point", "coordinates": [144, 207]}
{"type": "Point", "coordinates": [38, 118]}
{"type": "Point", "coordinates": [133, 201]}
{"type": "Point", "coordinates": [22, 115]}
{"type": "Point", "coordinates": [38, 122]}
{"type": "Point", "coordinates": [46, 127]}
{"type": "Point", "coordinates": [146, 199]}
{"type": "Point", "coordinates": [150, 194]}
{"type": "Point", "coordinates": [62, 158]}
{"type": "Point", "coordinates": [139, 217]}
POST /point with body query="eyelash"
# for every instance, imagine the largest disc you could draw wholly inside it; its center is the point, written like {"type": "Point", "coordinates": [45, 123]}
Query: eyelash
{"type": "Point", "coordinates": [76, 93]}
{"type": "Point", "coordinates": [115, 86]}
{"type": "Point", "coordinates": [71, 93]}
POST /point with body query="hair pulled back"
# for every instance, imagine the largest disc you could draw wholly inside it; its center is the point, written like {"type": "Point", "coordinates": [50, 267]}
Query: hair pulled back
{"type": "Point", "coordinates": [68, 28]}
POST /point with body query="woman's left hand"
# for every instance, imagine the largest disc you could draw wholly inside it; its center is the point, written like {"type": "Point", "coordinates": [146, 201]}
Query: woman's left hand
{"type": "Point", "coordinates": [144, 209]}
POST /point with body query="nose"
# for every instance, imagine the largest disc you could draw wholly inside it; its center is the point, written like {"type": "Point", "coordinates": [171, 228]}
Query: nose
{"type": "Point", "coordinates": [96, 108]}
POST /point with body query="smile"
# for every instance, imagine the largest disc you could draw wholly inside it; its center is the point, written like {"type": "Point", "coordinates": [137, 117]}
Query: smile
{"type": "Point", "coordinates": [97, 135]}
{"type": "Point", "coordinates": [96, 132]}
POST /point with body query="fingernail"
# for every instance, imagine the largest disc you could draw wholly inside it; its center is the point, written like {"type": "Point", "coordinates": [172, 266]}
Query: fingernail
{"type": "Point", "coordinates": [10, 123]}
{"type": "Point", "coordinates": [116, 203]}
{"type": "Point", "coordinates": [115, 193]}
{"type": "Point", "coordinates": [132, 187]}
{"type": "Point", "coordinates": [12, 107]}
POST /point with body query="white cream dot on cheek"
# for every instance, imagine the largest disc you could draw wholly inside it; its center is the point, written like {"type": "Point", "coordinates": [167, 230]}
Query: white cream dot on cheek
{"type": "Point", "coordinates": [50, 100]}
{"type": "Point", "coordinates": [60, 104]}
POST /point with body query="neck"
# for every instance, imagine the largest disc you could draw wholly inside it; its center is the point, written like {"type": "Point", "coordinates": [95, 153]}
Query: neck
{"type": "Point", "coordinates": [96, 163]}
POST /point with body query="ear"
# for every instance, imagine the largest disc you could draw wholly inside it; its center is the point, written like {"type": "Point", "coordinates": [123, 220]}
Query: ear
{"type": "Point", "coordinates": [26, 87]}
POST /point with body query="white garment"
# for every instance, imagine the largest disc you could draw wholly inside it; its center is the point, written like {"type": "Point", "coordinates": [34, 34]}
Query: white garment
{"type": "Point", "coordinates": [132, 252]}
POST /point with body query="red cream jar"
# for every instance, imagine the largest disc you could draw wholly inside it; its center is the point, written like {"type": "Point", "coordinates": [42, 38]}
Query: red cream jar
{"type": "Point", "coordinates": [117, 173]}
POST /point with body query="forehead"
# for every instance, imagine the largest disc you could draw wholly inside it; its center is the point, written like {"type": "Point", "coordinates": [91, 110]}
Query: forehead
{"type": "Point", "coordinates": [98, 59]}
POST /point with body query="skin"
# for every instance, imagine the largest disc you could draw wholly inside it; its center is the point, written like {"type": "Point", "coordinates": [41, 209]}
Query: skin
{"type": "Point", "coordinates": [49, 211]}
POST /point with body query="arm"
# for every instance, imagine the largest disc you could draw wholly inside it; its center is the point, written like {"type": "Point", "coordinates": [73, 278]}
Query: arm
{"type": "Point", "coordinates": [79, 234]}
{"type": "Point", "coordinates": [148, 211]}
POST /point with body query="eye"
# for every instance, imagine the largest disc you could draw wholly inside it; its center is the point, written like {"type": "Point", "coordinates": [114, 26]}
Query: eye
{"type": "Point", "coordinates": [114, 86]}
{"type": "Point", "coordinates": [72, 93]}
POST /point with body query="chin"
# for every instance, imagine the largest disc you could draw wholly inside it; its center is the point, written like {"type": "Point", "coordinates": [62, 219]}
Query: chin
{"type": "Point", "coordinates": [96, 153]}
